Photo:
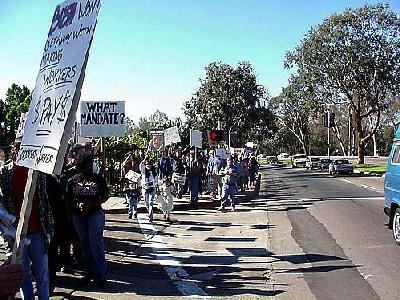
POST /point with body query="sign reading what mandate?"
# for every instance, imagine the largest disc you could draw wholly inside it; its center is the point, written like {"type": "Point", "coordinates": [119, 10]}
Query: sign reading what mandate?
{"type": "Point", "coordinates": [102, 118]}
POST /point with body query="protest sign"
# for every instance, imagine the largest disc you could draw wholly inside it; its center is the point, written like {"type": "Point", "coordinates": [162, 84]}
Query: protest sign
{"type": "Point", "coordinates": [21, 126]}
{"type": "Point", "coordinates": [157, 138]}
{"type": "Point", "coordinates": [196, 138]}
{"type": "Point", "coordinates": [133, 176]}
{"type": "Point", "coordinates": [171, 135]}
{"type": "Point", "coordinates": [57, 91]}
{"type": "Point", "coordinates": [102, 118]}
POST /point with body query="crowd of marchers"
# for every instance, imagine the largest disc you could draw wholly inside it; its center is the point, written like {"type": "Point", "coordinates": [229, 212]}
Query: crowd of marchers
{"type": "Point", "coordinates": [65, 228]}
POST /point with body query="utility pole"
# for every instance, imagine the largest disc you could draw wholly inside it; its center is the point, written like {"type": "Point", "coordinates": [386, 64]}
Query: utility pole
{"type": "Point", "coordinates": [329, 130]}
{"type": "Point", "coordinates": [349, 149]}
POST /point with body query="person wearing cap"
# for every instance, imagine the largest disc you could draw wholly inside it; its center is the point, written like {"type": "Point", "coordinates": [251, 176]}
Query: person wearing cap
{"type": "Point", "coordinates": [40, 231]}
{"type": "Point", "coordinates": [86, 191]}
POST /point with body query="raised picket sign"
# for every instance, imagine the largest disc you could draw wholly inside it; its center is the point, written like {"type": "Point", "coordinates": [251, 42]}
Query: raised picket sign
{"type": "Point", "coordinates": [56, 94]}
{"type": "Point", "coordinates": [102, 118]}
{"type": "Point", "coordinates": [171, 136]}
{"type": "Point", "coordinates": [21, 126]}
{"type": "Point", "coordinates": [133, 176]}
{"type": "Point", "coordinates": [196, 138]}
{"type": "Point", "coordinates": [157, 139]}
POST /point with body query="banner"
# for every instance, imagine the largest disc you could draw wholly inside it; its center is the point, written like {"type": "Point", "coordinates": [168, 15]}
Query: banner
{"type": "Point", "coordinates": [102, 118]}
{"type": "Point", "coordinates": [171, 136]}
{"type": "Point", "coordinates": [56, 94]}
{"type": "Point", "coordinates": [196, 138]}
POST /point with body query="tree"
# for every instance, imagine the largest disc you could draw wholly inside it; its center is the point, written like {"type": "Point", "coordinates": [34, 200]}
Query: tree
{"type": "Point", "coordinates": [296, 108]}
{"type": "Point", "coordinates": [230, 95]}
{"type": "Point", "coordinates": [354, 57]}
{"type": "Point", "coordinates": [17, 101]}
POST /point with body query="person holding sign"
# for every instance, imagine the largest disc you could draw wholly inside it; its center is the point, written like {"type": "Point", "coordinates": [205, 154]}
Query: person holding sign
{"type": "Point", "coordinates": [86, 192]}
{"type": "Point", "coordinates": [13, 179]}
{"type": "Point", "coordinates": [131, 185]}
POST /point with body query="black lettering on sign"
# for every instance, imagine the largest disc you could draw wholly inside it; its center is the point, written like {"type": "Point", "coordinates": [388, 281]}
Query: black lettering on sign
{"type": "Point", "coordinates": [63, 17]}
{"type": "Point", "coordinates": [49, 109]}
{"type": "Point", "coordinates": [50, 59]}
{"type": "Point", "coordinates": [67, 37]}
{"type": "Point", "coordinates": [43, 157]}
{"type": "Point", "coordinates": [98, 118]}
{"type": "Point", "coordinates": [89, 7]}
{"type": "Point", "coordinates": [26, 153]}
{"type": "Point", "coordinates": [101, 106]}
{"type": "Point", "coordinates": [58, 78]}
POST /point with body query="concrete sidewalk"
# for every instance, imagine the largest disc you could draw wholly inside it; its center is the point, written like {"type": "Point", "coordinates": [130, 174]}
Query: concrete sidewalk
{"type": "Point", "coordinates": [127, 263]}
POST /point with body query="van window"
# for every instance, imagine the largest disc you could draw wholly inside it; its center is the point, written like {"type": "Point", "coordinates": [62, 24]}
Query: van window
{"type": "Point", "coordinates": [396, 154]}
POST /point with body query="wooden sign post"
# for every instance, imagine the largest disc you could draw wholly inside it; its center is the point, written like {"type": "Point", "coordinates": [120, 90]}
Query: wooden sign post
{"type": "Point", "coordinates": [55, 99]}
{"type": "Point", "coordinates": [24, 216]}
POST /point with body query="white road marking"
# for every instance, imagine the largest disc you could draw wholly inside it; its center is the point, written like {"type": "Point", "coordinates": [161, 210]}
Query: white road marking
{"type": "Point", "coordinates": [346, 180]}
{"type": "Point", "coordinates": [173, 266]}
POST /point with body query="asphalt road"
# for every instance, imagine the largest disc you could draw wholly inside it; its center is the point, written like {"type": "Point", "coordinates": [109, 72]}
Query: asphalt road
{"type": "Point", "coordinates": [340, 227]}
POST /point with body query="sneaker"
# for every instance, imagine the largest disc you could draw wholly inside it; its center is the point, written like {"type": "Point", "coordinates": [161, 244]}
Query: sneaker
{"type": "Point", "coordinates": [135, 215]}
{"type": "Point", "coordinates": [232, 208]}
{"type": "Point", "coordinates": [221, 208]}
{"type": "Point", "coordinates": [130, 216]}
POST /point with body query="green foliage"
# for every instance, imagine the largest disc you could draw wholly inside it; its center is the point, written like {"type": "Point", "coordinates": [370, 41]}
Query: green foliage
{"type": "Point", "coordinates": [353, 57]}
{"type": "Point", "coordinates": [230, 95]}
{"type": "Point", "coordinates": [296, 107]}
{"type": "Point", "coordinates": [17, 101]}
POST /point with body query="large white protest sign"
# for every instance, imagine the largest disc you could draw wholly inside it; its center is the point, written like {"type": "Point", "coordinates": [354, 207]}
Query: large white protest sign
{"type": "Point", "coordinates": [57, 91]}
{"type": "Point", "coordinates": [102, 118]}
{"type": "Point", "coordinates": [196, 138]}
{"type": "Point", "coordinates": [171, 135]}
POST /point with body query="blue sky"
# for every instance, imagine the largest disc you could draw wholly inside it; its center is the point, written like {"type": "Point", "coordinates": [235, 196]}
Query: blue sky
{"type": "Point", "coordinates": [151, 53]}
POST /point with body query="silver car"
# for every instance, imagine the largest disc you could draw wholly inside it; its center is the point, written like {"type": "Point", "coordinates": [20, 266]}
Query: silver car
{"type": "Point", "coordinates": [341, 166]}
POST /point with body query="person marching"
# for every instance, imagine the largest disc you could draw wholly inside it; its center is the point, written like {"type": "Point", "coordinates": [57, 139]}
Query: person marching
{"type": "Point", "coordinates": [149, 179]}
{"type": "Point", "coordinates": [167, 200]}
{"type": "Point", "coordinates": [229, 187]}
{"type": "Point", "coordinates": [131, 187]}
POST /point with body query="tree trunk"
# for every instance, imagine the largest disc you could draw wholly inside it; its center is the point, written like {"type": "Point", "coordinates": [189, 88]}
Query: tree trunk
{"type": "Point", "coordinates": [361, 152]}
{"type": "Point", "coordinates": [375, 146]}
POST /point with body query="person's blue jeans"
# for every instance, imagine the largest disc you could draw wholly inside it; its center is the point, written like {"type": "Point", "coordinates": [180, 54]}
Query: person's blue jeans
{"type": "Point", "coordinates": [90, 227]}
{"type": "Point", "coordinates": [132, 200]}
{"type": "Point", "coordinates": [35, 253]}
{"type": "Point", "coordinates": [228, 191]}
{"type": "Point", "coordinates": [149, 201]}
{"type": "Point", "coordinates": [194, 189]}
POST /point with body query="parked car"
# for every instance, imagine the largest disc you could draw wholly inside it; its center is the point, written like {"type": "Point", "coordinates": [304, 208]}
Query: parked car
{"type": "Point", "coordinates": [341, 166]}
{"type": "Point", "coordinates": [312, 162]}
{"type": "Point", "coordinates": [273, 160]}
{"type": "Point", "coordinates": [283, 156]}
{"type": "Point", "coordinates": [299, 160]}
{"type": "Point", "coordinates": [324, 163]}
{"type": "Point", "coordinates": [392, 188]}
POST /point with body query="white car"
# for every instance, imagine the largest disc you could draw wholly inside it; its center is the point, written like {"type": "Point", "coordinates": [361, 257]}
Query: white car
{"type": "Point", "coordinates": [312, 162]}
{"type": "Point", "coordinates": [299, 160]}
